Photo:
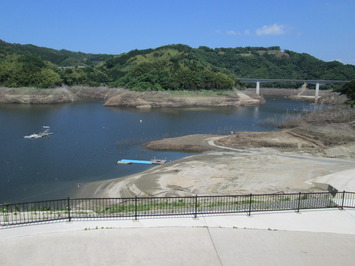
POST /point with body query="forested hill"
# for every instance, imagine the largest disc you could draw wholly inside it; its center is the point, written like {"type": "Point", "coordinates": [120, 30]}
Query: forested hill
{"type": "Point", "coordinates": [171, 67]}
{"type": "Point", "coordinates": [62, 58]}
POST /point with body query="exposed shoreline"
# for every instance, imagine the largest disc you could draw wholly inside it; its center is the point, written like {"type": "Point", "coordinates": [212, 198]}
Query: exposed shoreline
{"type": "Point", "coordinates": [246, 162]}
{"type": "Point", "coordinates": [119, 97]}
{"type": "Point", "coordinates": [226, 170]}
{"type": "Point", "coordinates": [310, 154]}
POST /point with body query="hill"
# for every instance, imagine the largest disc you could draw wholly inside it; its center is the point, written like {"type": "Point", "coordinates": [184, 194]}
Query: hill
{"type": "Point", "coordinates": [259, 62]}
{"type": "Point", "coordinates": [32, 66]}
{"type": "Point", "coordinates": [170, 67]}
{"type": "Point", "coordinates": [62, 58]}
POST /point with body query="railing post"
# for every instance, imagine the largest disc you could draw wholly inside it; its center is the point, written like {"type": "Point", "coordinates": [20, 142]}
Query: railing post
{"type": "Point", "coordinates": [68, 202]}
{"type": "Point", "coordinates": [299, 202]}
{"type": "Point", "coordinates": [342, 201]}
{"type": "Point", "coordinates": [250, 201]}
{"type": "Point", "coordinates": [135, 208]}
{"type": "Point", "coordinates": [196, 206]}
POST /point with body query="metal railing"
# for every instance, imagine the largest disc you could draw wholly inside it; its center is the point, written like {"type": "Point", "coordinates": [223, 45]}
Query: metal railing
{"type": "Point", "coordinates": [138, 207]}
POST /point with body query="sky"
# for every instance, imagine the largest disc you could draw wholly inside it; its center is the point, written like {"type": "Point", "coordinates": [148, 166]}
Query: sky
{"type": "Point", "coordinates": [322, 28]}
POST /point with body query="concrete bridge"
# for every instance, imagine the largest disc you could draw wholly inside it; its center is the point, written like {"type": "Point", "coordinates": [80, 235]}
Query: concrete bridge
{"type": "Point", "coordinates": [317, 82]}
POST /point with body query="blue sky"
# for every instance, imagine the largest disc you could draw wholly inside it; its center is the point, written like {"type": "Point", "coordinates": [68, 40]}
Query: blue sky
{"type": "Point", "coordinates": [322, 28]}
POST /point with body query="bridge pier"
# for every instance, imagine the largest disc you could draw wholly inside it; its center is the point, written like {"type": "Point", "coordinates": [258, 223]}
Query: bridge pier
{"type": "Point", "coordinates": [258, 88]}
{"type": "Point", "coordinates": [317, 82]}
{"type": "Point", "coordinates": [316, 96]}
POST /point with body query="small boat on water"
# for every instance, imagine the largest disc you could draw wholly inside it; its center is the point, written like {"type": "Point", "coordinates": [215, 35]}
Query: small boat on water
{"type": "Point", "coordinates": [153, 161]}
{"type": "Point", "coordinates": [45, 132]}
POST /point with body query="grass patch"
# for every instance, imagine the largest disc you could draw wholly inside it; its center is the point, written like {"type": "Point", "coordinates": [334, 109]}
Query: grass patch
{"type": "Point", "coordinates": [217, 204]}
{"type": "Point", "coordinates": [142, 207]}
{"type": "Point", "coordinates": [285, 199]}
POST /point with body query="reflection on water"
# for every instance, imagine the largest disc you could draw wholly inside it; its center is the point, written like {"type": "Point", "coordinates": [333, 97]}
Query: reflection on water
{"type": "Point", "coordinates": [89, 139]}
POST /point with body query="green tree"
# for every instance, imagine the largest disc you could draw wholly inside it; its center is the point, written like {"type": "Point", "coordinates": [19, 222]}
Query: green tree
{"type": "Point", "coordinates": [47, 78]}
{"type": "Point", "coordinates": [27, 70]}
{"type": "Point", "coordinates": [349, 90]}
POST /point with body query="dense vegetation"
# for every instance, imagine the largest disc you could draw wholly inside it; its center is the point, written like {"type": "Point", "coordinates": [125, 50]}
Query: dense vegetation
{"type": "Point", "coordinates": [171, 67]}
{"type": "Point", "coordinates": [349, 90]}
{"type": "Point", "coordinates": [62, 58]}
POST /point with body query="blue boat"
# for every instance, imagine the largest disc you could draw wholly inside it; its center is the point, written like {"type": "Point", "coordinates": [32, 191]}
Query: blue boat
{"type": "Point", "coordinates": [154, 161]}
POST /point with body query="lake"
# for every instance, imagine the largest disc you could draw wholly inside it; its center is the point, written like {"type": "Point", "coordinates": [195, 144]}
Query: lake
{"type": "Point", "coordinates": [89, 139]}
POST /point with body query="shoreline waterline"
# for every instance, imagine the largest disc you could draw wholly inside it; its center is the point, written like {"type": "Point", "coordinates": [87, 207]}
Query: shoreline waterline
{"type": "Point", "coordinates": [228, 171]}
{"type": "Point", "coordinates": [54, 167]}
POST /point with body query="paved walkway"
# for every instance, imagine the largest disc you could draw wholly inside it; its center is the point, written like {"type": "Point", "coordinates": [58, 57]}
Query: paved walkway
{"type": "Point", "coordinates": [317, 237]}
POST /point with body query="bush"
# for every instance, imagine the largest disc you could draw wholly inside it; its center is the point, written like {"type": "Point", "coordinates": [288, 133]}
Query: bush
{"type": "Point", "coordinates": [349, 90]}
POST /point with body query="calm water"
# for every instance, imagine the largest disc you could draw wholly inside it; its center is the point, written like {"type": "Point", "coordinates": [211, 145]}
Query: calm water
{"type": "Point", "coordinates": [89, 138]}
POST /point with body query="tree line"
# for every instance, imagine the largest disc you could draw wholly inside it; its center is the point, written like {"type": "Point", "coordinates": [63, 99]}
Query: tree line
{"type": "Point", "coordinates": [171, 67]}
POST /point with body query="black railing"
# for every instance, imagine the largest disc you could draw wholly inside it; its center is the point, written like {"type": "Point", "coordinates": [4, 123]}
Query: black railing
{"type": "Point", "coordinates": [93, 208]}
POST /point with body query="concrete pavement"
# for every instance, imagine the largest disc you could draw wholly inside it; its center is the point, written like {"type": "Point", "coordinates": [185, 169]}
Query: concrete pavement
{"type": "Point", "coordinates": [317, 237]}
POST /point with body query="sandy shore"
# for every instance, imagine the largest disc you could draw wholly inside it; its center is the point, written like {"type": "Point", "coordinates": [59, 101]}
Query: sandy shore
{"type": "Point", "coordinates": [226, 170]}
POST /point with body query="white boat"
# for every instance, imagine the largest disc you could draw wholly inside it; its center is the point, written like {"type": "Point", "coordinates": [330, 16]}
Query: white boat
{"type": "Point", "coordinates": [33, 136]}
{"type": "Point", "coordinates": [45, 132]}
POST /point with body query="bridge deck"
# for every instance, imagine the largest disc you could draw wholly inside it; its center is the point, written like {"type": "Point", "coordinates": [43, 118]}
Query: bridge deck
{"type": "Point", "coordinates": [294, 80]}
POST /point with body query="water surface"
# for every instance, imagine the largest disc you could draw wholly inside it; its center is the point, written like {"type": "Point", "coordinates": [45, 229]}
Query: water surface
{"type": "Point", "coordinates": [89, 139]}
